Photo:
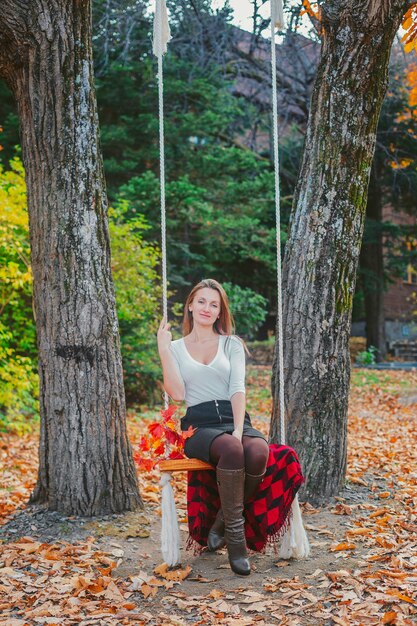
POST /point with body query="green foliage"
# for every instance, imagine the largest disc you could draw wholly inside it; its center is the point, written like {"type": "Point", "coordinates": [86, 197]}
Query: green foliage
{"type": "Point", "coordinates": [248, 309]}
{"type": "Point", "coordinates": [19, 385]}
{"type": "Point", "coordinates": [220, 219]}
{"type": "Point", "coordinates": [137, 284]}
{"type": "Point", "coordinates": [18, 377]}
{"type": "Point", "coordinates": [367, 357]}
{"type": "Point", "coordinates": [220, 194]}
{"type": "Point", "coordinates": [138, 293]}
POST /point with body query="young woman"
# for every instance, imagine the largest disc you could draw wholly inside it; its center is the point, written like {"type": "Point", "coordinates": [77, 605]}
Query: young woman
{"type": "Point", "coordinates": [206, 368]}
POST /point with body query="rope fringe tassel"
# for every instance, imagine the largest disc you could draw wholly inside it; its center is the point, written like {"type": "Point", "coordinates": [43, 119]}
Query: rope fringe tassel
{"type": "Point", "coordinates": [295, 543]}
{"type": "Point", "coordinates": [277, 14]}
{"type": "Point", "coordinates": [170, 532]}
{"type": "Point", "coordinates": [161, 30]}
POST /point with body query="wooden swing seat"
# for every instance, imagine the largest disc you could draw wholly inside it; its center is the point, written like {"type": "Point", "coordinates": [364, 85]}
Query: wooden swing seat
{"type": "Point", "coordinates": [184, 465]}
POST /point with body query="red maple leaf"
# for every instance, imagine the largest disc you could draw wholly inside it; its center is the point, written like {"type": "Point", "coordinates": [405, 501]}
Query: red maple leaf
{"type": "Point", "coordinates": [144, 464]}
{"type": "Point", "coordinates": [144, 444]}
{"type": "Point", "coordinates": [176, 454]}
{"type": "Point", "coordinates": [172, 437]}
{"type": "Point", "coordinates": [169, 412]}
{"type": "Point", "coordinates": [156, 429]}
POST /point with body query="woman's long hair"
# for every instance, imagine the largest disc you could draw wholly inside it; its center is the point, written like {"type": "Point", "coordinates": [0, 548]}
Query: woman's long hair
{"type": "Point", "coordinates": [225, 325]}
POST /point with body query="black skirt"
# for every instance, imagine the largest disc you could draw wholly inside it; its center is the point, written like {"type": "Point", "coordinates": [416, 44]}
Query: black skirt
{"type": "Point", "coordinates": [212, 418]}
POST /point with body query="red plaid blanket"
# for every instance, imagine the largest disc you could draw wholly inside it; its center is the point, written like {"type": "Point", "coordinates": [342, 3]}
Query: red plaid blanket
{"type": "Point", "coordinates": [267, 513]}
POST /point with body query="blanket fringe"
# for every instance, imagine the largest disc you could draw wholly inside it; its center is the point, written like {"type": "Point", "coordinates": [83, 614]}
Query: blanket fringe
{"type": "Point", "coordinates": [194, 546]}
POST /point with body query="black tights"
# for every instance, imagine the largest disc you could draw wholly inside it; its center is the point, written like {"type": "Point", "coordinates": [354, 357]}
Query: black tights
{"type": "Point", "coordinates": [228, 452]}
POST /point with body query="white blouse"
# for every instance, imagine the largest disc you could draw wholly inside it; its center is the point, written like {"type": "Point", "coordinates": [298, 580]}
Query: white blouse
{"type": "Point", "coordinates": [220, 379]}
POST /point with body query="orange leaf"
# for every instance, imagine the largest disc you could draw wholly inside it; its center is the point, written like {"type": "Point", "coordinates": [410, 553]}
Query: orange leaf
{"type": "Point", "coordinates": [359, 531]}
{"type": "Point", "coordinates": [189, 432]}
{"type": "Point", "coordinates": [401, 596]}
{"type": "Point", "coordinates": [407, 23]}
{"type": "Point", "coordinates": [147, 590]}
{"type": "Point", "coordinates": [384, 494]}
{"type": "Point", "coordinates": [378, 512]}
{"type": "Point", "coordinates": [172, 574]}
{"type": "Point", "coordinates": [400, 575]}
{"type": "Point", "coordinates": [343, 546]}
{"type": "Point", "coordinates": [409, 46]}
{"type": "Point", "coordinates": [160, 449]}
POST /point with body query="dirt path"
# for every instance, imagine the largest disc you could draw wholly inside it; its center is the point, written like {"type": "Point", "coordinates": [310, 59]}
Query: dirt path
{"type": "Point", "coordinates": [100, 571]}
{"type": "Point", "coordinates": [277, 592]}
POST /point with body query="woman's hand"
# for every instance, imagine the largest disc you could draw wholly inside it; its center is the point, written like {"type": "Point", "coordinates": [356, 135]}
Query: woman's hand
{"type": "Point", "coordinates": [164, 336]}
{"type": "Point", "coordinates": [238, 433]}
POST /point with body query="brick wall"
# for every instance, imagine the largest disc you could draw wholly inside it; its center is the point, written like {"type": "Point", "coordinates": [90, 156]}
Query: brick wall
{"type": "Point", "coordinates": [397, 299]}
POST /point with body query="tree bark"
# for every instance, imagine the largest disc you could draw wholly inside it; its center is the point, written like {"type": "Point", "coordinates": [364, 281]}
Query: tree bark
{"type": "Point", "coordinates": [372, 264]}
{"type": "Point", "coordinates": [326, 226]}
{"type": "Point", "coordinates": [85, 458]}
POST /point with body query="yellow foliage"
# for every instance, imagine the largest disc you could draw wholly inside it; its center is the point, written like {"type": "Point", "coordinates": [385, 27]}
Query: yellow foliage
{"type": "Point", "coordinates": [18, 378]}
{"type": "Point", "coordinates": [15, 271]}
{"type": "Point", "coordinates": [18, 390]}
{"type": "Point", "coordinates": [409, 25]}
{"type": "Point", "coordinates": [399, 165]}
{"type": "Point", "coordinates": [412, 84]}
{"type": "Point", "coordinates": [312, 12]}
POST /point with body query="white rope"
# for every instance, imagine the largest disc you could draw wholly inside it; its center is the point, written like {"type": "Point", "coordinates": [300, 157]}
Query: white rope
{"type": "Point", "coordinates": [274, 10]}
{"type": "Point", "coordinates": [170, 533]}
{"type": "Point", "coordinates": [295, 543]}
{"type": "Point", "coordinates": [161, 36]}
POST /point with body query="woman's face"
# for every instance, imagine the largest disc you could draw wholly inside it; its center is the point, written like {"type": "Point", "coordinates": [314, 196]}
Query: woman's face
{"type": "Point", "coordinates": [205, 306]}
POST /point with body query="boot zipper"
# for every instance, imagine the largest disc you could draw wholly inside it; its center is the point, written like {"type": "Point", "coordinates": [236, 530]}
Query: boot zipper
{"type": "Point", "coordinates": [217, 408]}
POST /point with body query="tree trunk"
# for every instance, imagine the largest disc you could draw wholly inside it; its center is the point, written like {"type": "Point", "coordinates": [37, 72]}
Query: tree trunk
{"type": "Point", "coordinates": [85, 458]}
{"type": "Point", "coordinates": [326, 227]}
{"type": "Point", "coordinates": [372, 265]}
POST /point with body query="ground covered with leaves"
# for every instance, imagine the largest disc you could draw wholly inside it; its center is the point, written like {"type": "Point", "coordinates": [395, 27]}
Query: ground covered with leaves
{"type": "Point", "coordinates": [107, 570]}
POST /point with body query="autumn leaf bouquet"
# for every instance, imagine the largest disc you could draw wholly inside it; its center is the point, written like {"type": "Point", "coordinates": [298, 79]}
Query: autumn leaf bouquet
{"type": "Point", "coordinates": [164, 441]}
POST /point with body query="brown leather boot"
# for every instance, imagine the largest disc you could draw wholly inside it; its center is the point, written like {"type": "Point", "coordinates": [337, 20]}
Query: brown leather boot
{"type": "Point", "coordinates": [231, 488]}
{"type": "Point", "coordinates": [251, 484]}
{"type": "Point", "coordinates": [215, 539]}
